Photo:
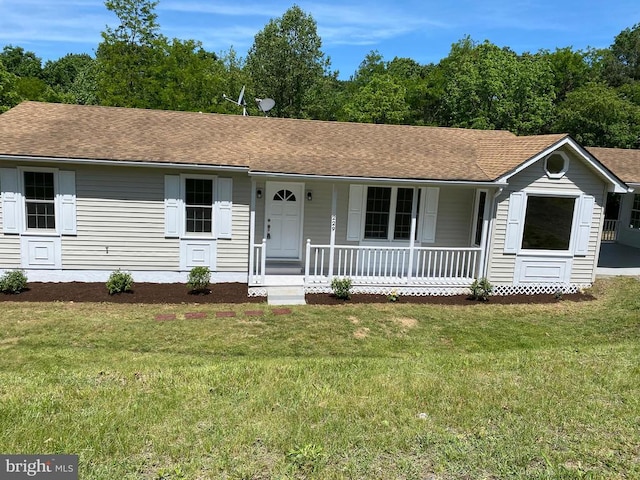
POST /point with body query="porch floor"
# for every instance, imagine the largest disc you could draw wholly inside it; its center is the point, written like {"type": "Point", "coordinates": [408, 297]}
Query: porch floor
{"type": "Point", "coordinates": [617, 259]}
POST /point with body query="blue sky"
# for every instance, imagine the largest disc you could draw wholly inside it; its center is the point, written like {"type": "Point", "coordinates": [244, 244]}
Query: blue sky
{"type": "Point", "coordinates": [421, 30]}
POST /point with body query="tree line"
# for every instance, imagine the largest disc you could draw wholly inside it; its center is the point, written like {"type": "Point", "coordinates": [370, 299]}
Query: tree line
{"type": "Point", "coordinates": [592, 94]}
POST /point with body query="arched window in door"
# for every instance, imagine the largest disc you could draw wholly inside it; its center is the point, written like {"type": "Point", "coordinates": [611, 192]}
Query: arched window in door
{"type": "Point", "coordinates": [284, 196]}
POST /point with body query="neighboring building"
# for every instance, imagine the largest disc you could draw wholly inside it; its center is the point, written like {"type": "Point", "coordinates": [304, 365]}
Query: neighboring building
{"type": "Point", "coordinates": [268, 201]}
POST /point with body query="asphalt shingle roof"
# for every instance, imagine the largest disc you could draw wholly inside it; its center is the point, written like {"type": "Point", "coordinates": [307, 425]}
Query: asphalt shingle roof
{"type": "Point", "coordinates": [625, 163]}
{"type": "Point", "coordinates": [274, 145]}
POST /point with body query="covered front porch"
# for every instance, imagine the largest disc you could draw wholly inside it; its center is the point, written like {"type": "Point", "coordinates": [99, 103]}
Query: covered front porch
{"type": "Point", "coordinates": [618, 259]}
{"type": "Point", "coordinates": [384, 237]}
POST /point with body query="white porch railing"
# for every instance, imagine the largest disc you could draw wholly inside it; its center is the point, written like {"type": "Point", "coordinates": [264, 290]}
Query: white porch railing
{"type": "Point", "coordinates": [610, 230]}
{"type": "Point", "coordinates": [258, 263]}
{"type": "Point", "coordinates": [370, 265]}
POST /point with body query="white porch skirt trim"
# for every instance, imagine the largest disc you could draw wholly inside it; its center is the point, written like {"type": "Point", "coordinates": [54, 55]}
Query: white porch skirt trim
{"type": "Point", "coordinates": [142, 276]}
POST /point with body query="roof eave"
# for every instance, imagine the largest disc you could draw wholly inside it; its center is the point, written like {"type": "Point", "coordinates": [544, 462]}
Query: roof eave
{"type": "Point", "coordinates": [364, 179]}
{"type": "Point", "coordinates": [127, 163]}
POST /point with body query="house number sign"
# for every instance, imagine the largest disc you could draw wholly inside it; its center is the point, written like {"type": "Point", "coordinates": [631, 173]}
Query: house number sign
{"type": "Point", "coordinates": [333, 223]}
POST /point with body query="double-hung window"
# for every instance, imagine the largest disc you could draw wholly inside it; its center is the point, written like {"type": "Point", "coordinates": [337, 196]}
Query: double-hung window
{"type": "Point", "coordinates": [388, 213]}
{"type": "Point", "coordinates": [199, 205]}
{"type": "Point", "coordinates": [39, 199]}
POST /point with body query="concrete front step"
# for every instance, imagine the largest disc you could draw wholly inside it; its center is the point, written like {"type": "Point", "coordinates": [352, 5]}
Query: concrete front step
{"type": "Point", "coordinates": [286, 295]}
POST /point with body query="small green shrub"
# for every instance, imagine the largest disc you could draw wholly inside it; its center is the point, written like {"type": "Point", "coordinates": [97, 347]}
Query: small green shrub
{"type": "Point", "coordinates": [119, 282]}
{"type": "Point", "coordinates": [14, 281]}
{"type": "Point", "coordinates": [481, 289]}
{"type": "Point", "coordinates": [341, 288]}
{"type": "Point", "coordinates": [394, 296]}
{"type": "Point", "coordinates": [199, 278]}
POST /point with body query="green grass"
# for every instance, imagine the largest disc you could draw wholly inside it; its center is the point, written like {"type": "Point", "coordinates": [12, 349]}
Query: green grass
{"type": "Point", "coordinates": [355, 391]}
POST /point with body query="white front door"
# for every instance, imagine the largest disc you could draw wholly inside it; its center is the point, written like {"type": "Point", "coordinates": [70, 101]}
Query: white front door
{"type": "Point", "coordinates": [283, 215]}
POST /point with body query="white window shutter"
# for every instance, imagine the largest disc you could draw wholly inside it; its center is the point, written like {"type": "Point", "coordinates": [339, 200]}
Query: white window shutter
{"type": "Point", "coordinates": [515, 219]}
{"type": "Point", "coordinates": [224, 208]}
{"type": "Point", "coordinates": [67, 202]}
{"type": "Point", "coordinates": [585, 216]}
{"type": "Point", "coordinates": [172, 206]}
{"type": "Point", "coordinates": [11, 205]}
{"type": "Point", "coordinates": [430, 196]}
{"type": "Point", "coordinates": [354, 215]}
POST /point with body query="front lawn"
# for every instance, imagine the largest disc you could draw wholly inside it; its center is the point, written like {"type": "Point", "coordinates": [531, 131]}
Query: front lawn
{"type": "Point", "coordinates": [354, 391]}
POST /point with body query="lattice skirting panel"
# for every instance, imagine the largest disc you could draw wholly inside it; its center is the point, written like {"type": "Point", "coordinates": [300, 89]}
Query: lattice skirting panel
{"type": "Point", "coordinates": [443, 290]}
{"type": "Point", "coordinates": [538, 288]}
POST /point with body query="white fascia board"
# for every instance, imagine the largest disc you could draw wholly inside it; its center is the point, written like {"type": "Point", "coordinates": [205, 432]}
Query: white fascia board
{"type": "Point", "coordinates": [125, 163]}
{"type": "Point", "coordinates": [370, 180]}
{"type": "Point", "coordinates": [618, 185]}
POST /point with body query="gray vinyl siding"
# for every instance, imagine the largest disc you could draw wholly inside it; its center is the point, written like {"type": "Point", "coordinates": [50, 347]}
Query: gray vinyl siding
{"type": "Point", "coordinates": [579, 179]}
{"type": "Point", "coordinates": [233, 254]}
{"type": "Point", "coordinates": [120, 222]}
{"type": "Point", "coordinates": [455, 217]}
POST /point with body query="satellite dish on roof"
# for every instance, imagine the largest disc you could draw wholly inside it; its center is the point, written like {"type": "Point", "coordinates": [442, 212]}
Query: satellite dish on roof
{"type": "Point", "coordinates": [240, 102]}
{"type": "Point", "coordinates": [265, 104]}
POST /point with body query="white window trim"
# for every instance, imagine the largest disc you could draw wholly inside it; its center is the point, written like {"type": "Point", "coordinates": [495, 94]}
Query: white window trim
{"type": "Point", "coordinates": [184, 235]}
{"type": "Point", "coordinates": [570, 252]}
{"type": "Point", "coordinates": [392, 217]}
{"type": "Point", "coordinates": [565, 167]}
{"type": "Point", "coordinates": [40, 232]}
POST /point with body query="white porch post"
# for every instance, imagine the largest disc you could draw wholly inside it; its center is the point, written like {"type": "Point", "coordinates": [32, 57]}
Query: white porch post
{"type": "Point", "coordinates": [487, 224]}
{"type": "Point", "coordinates": [263, 261]}
{"type": "Point", "coordinates": [412, 234]}
{"type": "Point", "coordinates": [332, 238]}
{"type": "Point", "coordinates": [252, 231]}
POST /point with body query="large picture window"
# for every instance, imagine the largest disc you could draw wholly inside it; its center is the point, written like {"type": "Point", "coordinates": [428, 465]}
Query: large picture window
{"type": "Point", "coordinates": [548, 223]}
{"type": "Point", "coordinates": [199, 205]}
{"type": "Point", "coordinates": [388, 213]}
{"type": "Point", "coordinates": [635, 212]}
{"type": "Point", "coordinates": [39, 195]}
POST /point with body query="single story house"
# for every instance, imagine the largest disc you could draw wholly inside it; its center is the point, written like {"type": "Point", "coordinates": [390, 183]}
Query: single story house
{"type": "Point", "coordinates": [87, 190]}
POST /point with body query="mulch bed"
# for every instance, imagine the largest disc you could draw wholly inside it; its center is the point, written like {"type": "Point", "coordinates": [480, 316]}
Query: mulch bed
{"type": "Point", "coordinates": [237, 293]}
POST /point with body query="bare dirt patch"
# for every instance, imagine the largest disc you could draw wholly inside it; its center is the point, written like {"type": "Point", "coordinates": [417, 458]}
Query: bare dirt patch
{"type": "Point", "coordinates": [406, 323]}
{"type": "Point", "coordinates": [362, 332]}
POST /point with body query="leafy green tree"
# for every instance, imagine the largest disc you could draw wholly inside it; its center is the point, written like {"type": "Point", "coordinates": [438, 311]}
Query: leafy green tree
{"type": "Point", "coordinates": [286, 61]}
{"type": "Point", "coordinates": [20, 62]}
{"type": "Point", "coordinates": [571, 70]}
{"type": "Point", "coordinates": [31, 88]}
{"type": "Point", "coordinates": [622, 59]}
{"type": "Point", "coordinates": [235, 77]}
{"type": "Point", "coordinates": [381, 100]}
{"type": "Point", "coordinates": [489, 87]}
{"type": "Point", "coordinates": [412, 76]}
{"type": "Point", "coordinates": [8, 95]}
{"type": "Point", "coordinates": [191, 77]}
{"type": "Point", "coordinates": [84, 88]}
{"type": "Point", "coordinates": [373, 64]}
{"type": "Point", "coordinates": [325, 99]}
{"type": "Point", "coordinates": [129, 56]}
{"type": "Point", "coordinates": [62, 73]}
{"type": "Point", "coordinates": [596, 115]}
